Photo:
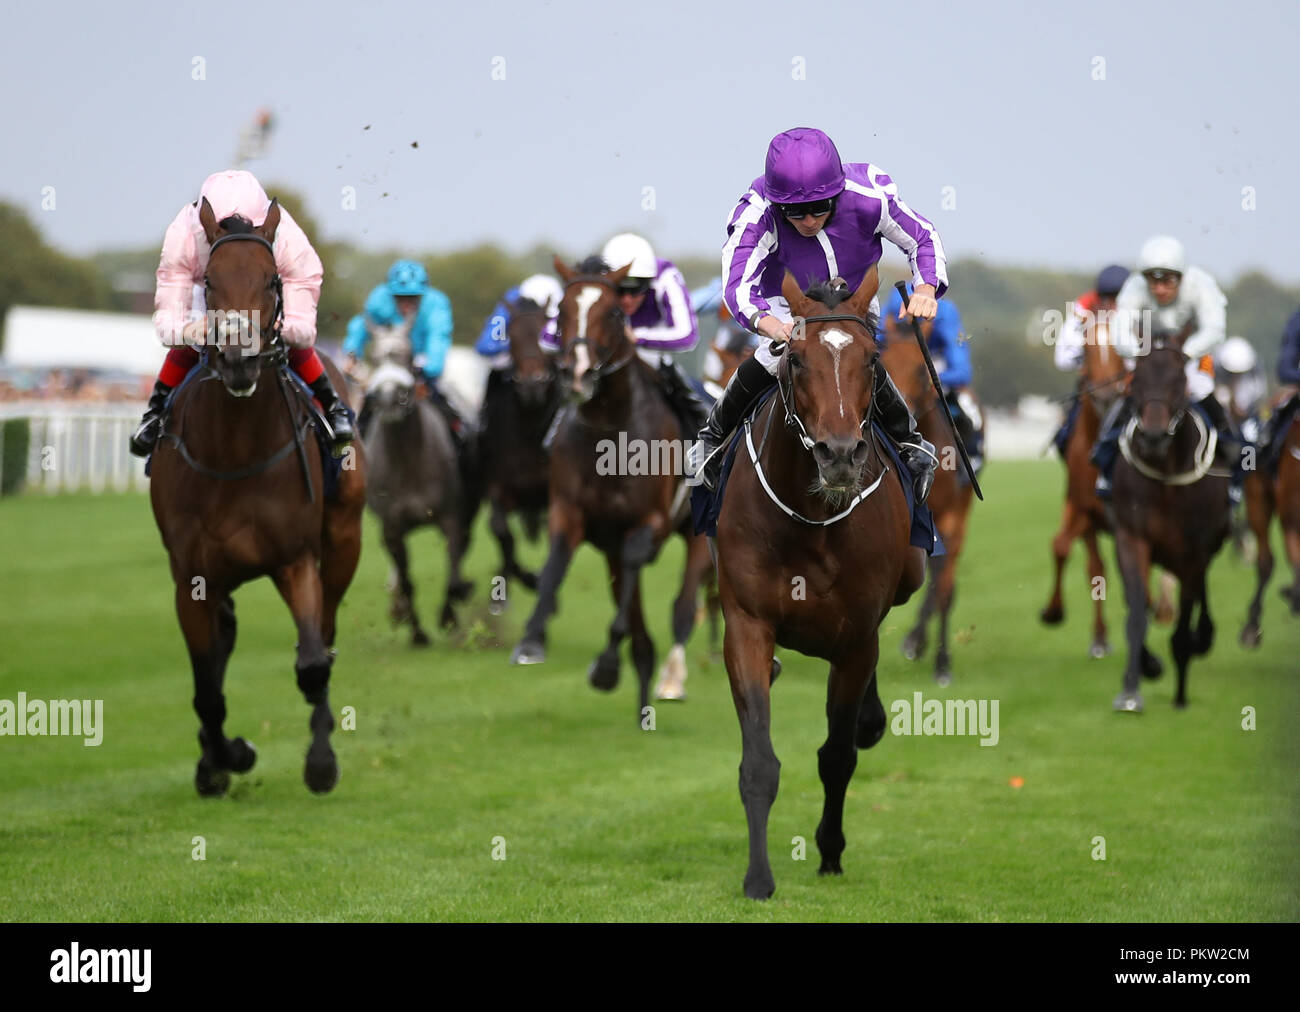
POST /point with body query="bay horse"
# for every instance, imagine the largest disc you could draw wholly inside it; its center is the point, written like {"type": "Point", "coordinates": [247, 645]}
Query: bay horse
{"type": "Point", "coordinates": [813, 508]}
{"type": "Point", "coordinates": [518, 406]}
{"type": "Point", "coordinates": [1104, 380]}
{"type": "Point", "coordinates": [1168, 509]}
{"type": "Point", "coordinates": [1267, 494]}
{"type": "Point", "coordinates": [949, 500]}
{"type": "Point", "coordinates": [237, 493]}
{"type": "Point", "coordinates": [415, 480]}
{"type": "Point", "coordinates": [626, 514]}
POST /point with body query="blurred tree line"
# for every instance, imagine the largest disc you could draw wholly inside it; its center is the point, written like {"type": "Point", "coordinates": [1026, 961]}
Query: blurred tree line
{"type": "Point", "coordinates": [1003, 308]}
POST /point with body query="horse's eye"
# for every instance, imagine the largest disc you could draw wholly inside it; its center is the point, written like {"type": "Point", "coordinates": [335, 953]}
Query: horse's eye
{"type": "Point", "coordinates": [795, 361]}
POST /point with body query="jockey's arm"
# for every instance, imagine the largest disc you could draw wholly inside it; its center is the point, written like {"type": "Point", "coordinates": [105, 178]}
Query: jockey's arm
{"type": "Point", "coordinates": [678, 329]}
{"type": "Point", "coordinates": [177, 265]}
{"type": "Point", "coordinates": [752, 226]}
{"type": "Point", "coordinates": [919, 239]}
{"type": "Point", "coordinates": [493, 340]}
{"type": "Point", "coordinates": [1070, 344]}
{"type": "Point", "coordinates": [1211, 318]}
{"type": "Point", "coordinates": [357, 338]}
{"type": "Point", "coordinates": [300, 274]}
{"type": "Point", "coordinates": [1288, 359]}
{"type": "Point", "coordinates": [436, 324]}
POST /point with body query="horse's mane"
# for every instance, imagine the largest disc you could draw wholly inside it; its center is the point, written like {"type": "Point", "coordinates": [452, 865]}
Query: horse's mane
{"type": "Point", "coordinates": [236, 223]}
{"type": "Point", "coordinates": [831, 295]}
{"type": "Point", "coordinates": [523, 305]}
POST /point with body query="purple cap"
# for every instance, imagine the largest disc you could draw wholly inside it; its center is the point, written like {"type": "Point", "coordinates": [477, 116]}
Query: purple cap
{"type": "Point", "coordinates": [802, 165]}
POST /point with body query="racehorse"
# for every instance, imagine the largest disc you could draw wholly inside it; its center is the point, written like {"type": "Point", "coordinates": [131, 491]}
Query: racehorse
{"type": "Point", "coordinates": [1168, 509]}
{"type": "Point", "coordinates": [949, 499]}
{"type": "Point", "coordinates": [813, 550]}
{"type": "Point", "coordinates": [415, 480]}
{"type": "Point", "coordinates": [518, 407]}
{"type": "Point", "coordinates": [1084, 515]}
{"type": "Point", "coordinates": [1267, 494]}
{"type": "Point", "coordinates": [237, 493]}
{"type": "Point", "coordinates": [627, 514]}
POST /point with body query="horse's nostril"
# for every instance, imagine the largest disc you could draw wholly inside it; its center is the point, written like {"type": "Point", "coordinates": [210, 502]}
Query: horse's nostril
{"type": "Point", "coordinates": [822, 453]}
{"type": "Point", "coordinates": [860, 453]}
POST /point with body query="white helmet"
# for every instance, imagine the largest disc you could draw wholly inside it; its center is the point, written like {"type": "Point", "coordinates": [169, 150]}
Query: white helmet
{"type": "Point", "coordinates": [631, 248]}
{"type": "Point", "coordinates": [543, 290]}
{"type": "Point", "coordinates": [1162, 253]}
{"type": "Point", "coordinates": [1237, 356]}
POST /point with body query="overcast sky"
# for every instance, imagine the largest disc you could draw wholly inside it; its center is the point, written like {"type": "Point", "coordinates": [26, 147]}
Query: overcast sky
{"type": "Point", "coordinates": [1053, 157]}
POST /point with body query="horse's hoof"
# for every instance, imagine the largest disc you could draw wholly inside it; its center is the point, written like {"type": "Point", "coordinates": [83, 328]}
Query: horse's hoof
{"type": "Point", "coordinates": [1180, 704]}
{"type": "Point", "coordinates": [1251, 637]}
{"type": "Point", "coordinates": [1128, 702]}
{"type": "Point", "coordinates": [1052, 615]}
{"type": "Point", "coordinates": [1099, 649]}
{"type": "Point", "coordinates": [603, 673]}
{"type": "Point", "coordinates": [913, 645]}
{"type": "Point", "coordinates": [943, 678]}
{"type": "Point", "coordinates": [776, 670]}
{"type": "Point", "coordinates": [321, 771]}
{"type": "Point", "coordinates": [672, 676]}
{"type": "Point", "coordinates": [1152, 666]}
{"type": "Point", "coordinates": [447, 620]}
{"type": "Point", "coordinates": [760, 887]}
{"type": "Point", "coordinates": [209, 781]}
{"type": "Point", "coordinates": [528, 652]}
{"type": "Point", "coordinates": [496, 608]}
{"type": "Point", "coordinates": [419, 638]}
{"type": "Point", "coordinates": [829, 867]}
{"type": "Point", "coordinates": [242, 755]}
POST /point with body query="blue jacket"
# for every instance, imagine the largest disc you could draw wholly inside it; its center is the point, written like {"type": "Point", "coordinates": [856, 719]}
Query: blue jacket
{"type": "Point", "coordinates": [950, 354]}
{"type": "Point", "coordinates": [430, 333]}
{"type": "Point", "coordinates": [493, 340]}
{"type": "Point", "coordinates": [1288, 358]}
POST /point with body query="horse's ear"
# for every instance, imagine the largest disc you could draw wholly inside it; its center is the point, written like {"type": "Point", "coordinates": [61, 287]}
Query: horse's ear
{"type": "Point", "coordinates": [208, 219]}
{"type": "Point", "coordinates": [620, 274]}
{"type": "Point", "coordinates": [562, 269]}
{"type": "Point", "coordinates": [796, 299]}
{"type": "Point", "coordinates": [860, 301]}
{"type": "Point", "coordinates": [267, 229]}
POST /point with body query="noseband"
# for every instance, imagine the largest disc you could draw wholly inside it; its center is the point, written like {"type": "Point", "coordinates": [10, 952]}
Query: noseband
{"type": "Point", "coordinates": [275, 352]}
{"type": "Point", "coordinates": [792, 419]}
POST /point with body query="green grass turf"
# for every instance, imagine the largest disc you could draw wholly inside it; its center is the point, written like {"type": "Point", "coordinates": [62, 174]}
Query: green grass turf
{"type": "Point", "coordinates": [603, 821]}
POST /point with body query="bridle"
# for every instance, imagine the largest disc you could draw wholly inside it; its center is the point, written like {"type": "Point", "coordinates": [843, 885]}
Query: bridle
{"type": "Point", "coordinates": [603, 368]}
{"type": "Point", "coordinates": [274, 353]}
{"type": "Point", "coordinates": [783, 381]}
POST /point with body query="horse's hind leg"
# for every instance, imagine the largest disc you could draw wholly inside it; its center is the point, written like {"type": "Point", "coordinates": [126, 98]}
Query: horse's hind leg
{"type": "Point", "coordinates": [1291, 538]}
{"type": "Point", "coordinates": [643, 650]}
{"type": "Point", "coordinates": [1191, 591]}
{"type": "Point", "coordinates": [1073, 522]}
{"type": "Point", "coordinates": [565, 524]}
{"type": "Point", "coordinates": [458, 588]}
{"type": "Point", "coordinates": [637, 549]}
{"type": "Point", "coordinates": [672, 676]}
{"type": "Point", "coordinates": [1097, 579]}
{"type": "Point", "coordinates": [915, 642]}
{"type": "Point", "coordinates": [838, 757]}
{"type": "Point", "coordinates": [1259, 511]}
{"type": "Point", "coordinates": [499, 524]}
{"type": "Point", "coordinates": [403, 606]}
{"type": "Point", "coordinates": [340, 553]}
{"type": "Point", "coordinates": [1134, 556]}
{"type": "Point", "coordinates": [209, 630]}
{"type": "Point", "coordinates": [747, 647]}
{"type": "Point", "coordinates": [954, 537]}
{"type": "Point", "coordinates": [299, 584]}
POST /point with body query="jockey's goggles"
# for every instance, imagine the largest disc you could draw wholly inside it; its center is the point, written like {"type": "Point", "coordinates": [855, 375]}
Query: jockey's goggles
{"type": "Point", "coordinates": [1160, 275]}
{"type": "Point", "coordinates": [633, 286]}
{"type": "Point", "coordinates": [816, 208]}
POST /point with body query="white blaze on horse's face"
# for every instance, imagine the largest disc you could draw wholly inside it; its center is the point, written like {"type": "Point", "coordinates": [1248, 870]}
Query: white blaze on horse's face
{"type": "Point", "coordinates": [836, 340]}
{"type": "Point", "coordinates": [588, 296]}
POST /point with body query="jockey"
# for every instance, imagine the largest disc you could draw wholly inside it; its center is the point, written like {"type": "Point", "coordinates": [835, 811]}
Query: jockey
{"type": "Point", "coordinates": [1240, 385]}
{"type": "Point", "coordinates": [406, 298]}
{"type": "Point", "coordinates": [1288, 398]}
{"type": "Point", "coordinates": [731, 346]}
{"type": "Point", "coordinates": [951, 357]}
{"type": "Point", "coordinates": [657, 307]}
{"type": "Point", "coordinates": [819, 218]}
{"type": "Point", "coordinates": [1175, 302]}
{"type": "Point", "coordinates": [180, 310]}
{"type": "Point", "coordinates": [1070, 343]}
{"type": "Point", "coordinates": [493, 344]}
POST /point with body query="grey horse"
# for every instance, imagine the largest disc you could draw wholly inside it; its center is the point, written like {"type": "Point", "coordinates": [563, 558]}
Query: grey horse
{"type": "Point", "coordinates": [414, 480]}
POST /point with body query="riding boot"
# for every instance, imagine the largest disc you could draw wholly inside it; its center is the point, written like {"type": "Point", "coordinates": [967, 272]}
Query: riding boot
{"type": "Point", "coordinates": [145, 436]}
{"type": "Point", "coordinates": [336, 413]}
{"type": "Point", "coordinates": [685, 402]}
{"type": "Point", "coordinates": [1107, 447]}
{"type": "Point", "coordinates": [1227, 450]}
{"type": "Point", "coordinates": [896, 419]}
{"type": "Point", "coordinates": [749, 381]}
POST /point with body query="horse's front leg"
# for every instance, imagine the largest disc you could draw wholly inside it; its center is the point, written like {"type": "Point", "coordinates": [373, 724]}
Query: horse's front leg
{"type": "Point", "coordinates": [915, 642]}
{"type": "Point", "coordinates": [456, 531]}
{"type": "Point", "coordinates": [1259, 511]}
{"type": "Point", "coordinates": [1073, 522]}
{"type": "Point", "coordinates": [566, 527]}
{"type": "Point", "coordinates": [300, 585]}
{"type": "Point", "coordinates": [838, 756]}
{"type": "Point", "coordinates": [1097, 579]}
{"type": "Point", "coordinates": [403, 605]}
{"type": "Point", "coordinates": [1134, 555]}
{"type": "Point", "coordinates": [747, 647]}
{"type": "Point", "coordinates": [637, 549]}
{"type": "Point", "coordinates": [672, 676]}
{"type": "Point", "coordinates": [208, 625]}
{"type": "Point", "coordinates": [499, 522]}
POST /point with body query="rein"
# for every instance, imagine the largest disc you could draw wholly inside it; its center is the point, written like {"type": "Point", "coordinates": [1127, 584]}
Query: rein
{"type": "Point", "coordinates": [793, 421]}
{"type": "Point", "coordinates": [601, 368]}
{"type": "Point", "coordinates": [1202, 459]}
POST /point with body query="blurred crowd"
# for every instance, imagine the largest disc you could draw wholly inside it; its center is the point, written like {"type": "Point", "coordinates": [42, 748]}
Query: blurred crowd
{"type": "Point", "coordinates": [83, 385]}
